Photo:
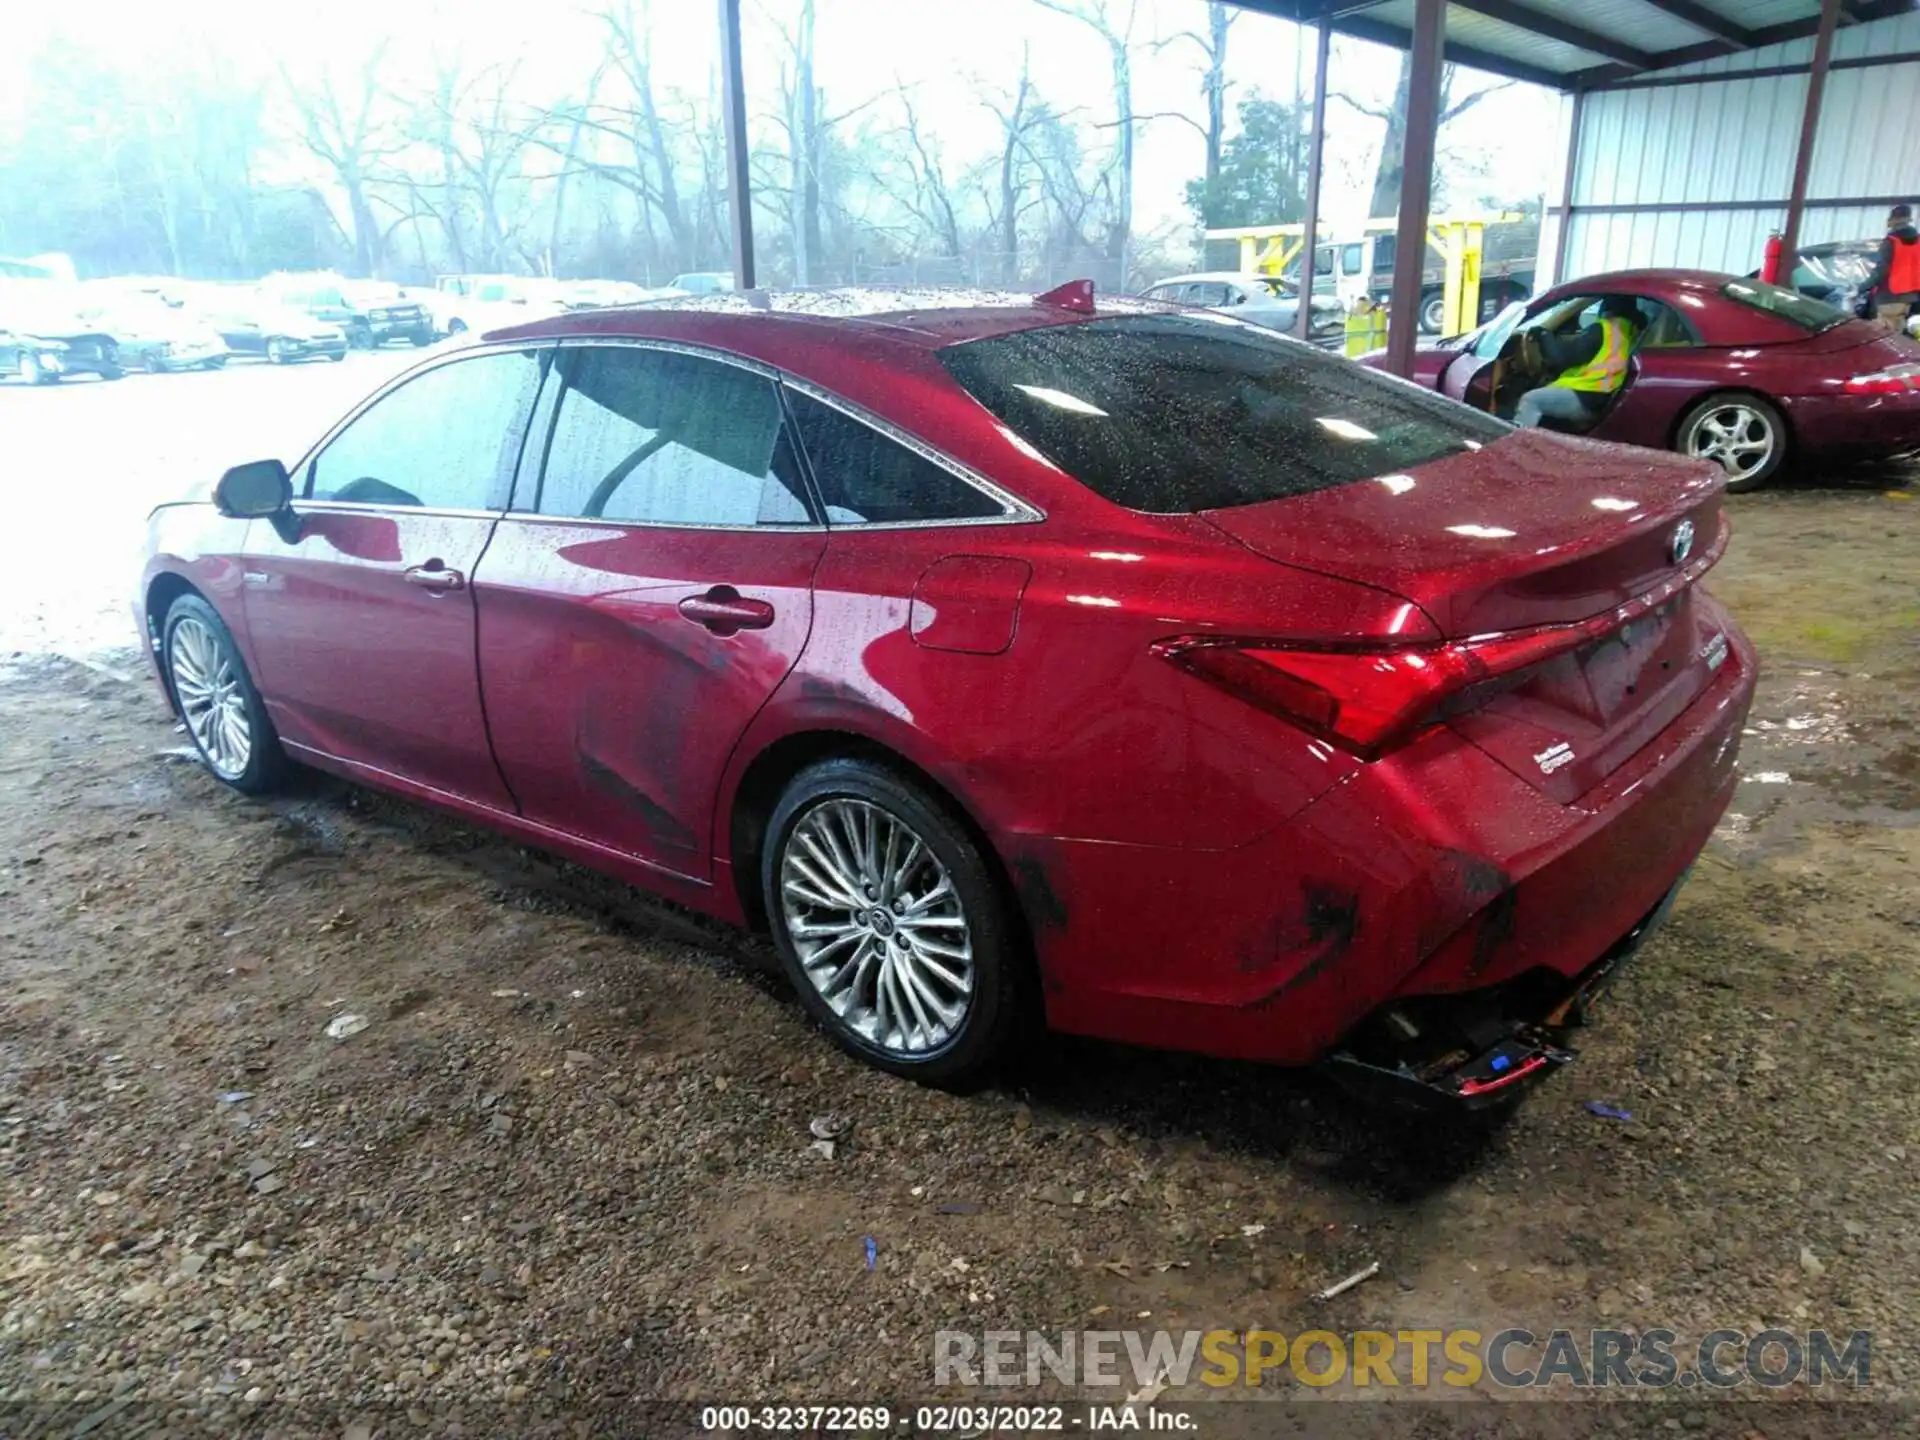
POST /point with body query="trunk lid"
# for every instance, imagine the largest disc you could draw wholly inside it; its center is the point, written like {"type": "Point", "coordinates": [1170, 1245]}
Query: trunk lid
{"type": "Point", "coordinates": [1535, 530]}
{"type": "Point", "coordinates": [1881, 344]}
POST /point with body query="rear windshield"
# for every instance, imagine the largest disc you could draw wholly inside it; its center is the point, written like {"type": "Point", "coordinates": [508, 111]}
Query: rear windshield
{"type": "Point", "coordinates": [1175, 413]}
{"type": "Point", "coordinates": [1809, 314]}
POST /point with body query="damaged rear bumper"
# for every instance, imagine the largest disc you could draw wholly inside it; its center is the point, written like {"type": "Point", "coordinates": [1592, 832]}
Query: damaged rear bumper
{"type": "Point", "coordinates": [1480, 1049]}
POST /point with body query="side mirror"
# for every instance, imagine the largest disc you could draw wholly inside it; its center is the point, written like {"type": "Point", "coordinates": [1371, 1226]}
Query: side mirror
{"type": "Point", "coordinates": [259, 490]}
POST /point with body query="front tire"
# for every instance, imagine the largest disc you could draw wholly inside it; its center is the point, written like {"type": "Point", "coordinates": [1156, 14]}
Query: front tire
{"type": "Point", "coordinates": [1433, 313]}
{"type": "Point", "coordinates": [32, 372]}
{"type": "Point", "coordinates": [421, 338]}
{"type": "Point", "coordinates": [360, 336]}
{"type": "Point", "coordinates": [216, 698]}
{"type": "Point", "coordinates": [1742, 434]}
{"type": "Point", "coordinates": [891, 925]}
{"type": "Point", "coordinates": [277, 352]}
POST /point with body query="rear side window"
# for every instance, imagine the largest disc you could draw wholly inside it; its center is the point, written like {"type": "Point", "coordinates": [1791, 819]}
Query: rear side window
{"type": "Point", "coordinates": [664, 438]}
{"type": "Point", "coordinates": [866, 477]}
{"type": "Point", "coordinates": [1175, 413]}
{"type": "Point", "coordinates": [1804, 311]}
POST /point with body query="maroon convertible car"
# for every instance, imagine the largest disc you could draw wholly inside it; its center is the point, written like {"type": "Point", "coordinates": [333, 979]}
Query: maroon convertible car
{"type": "Point", "coordinates": [1131, 668]}
{"type": "Point", "coordinates": [1735, 371]}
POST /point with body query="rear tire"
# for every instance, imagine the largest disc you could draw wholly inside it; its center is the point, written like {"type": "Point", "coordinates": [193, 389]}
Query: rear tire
{"type": "Point", "coordinates": [214, 695]}
{"type": "Point", "coordinates": [32, 372]}
{"type": "Point", "coordinates": [891, 925]}
{"type": "Point", "coordinates": [1741, 433]}
{"type": "Point", "coordinates": [1433, 313]}
{"type": "Point", "coordinates": [360, 336]}
{"type": "Point", "coordinates": [277, 351]}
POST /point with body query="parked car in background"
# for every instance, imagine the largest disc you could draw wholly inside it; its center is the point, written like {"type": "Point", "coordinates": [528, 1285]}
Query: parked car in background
{"type": "Point", "coordinates": [369, 312]}
{"type": "Point", "coordinates": [43, 341]}
{"type": "Point", "coordinates": [480, 303]}
{"type": "Point", "coordinates": [151, 334]}
{"type": "Point", "coordinates": [1726, 369]}
{"type": "Point", "coordinates": [702, 282]}
{"type": "Point", "coordinates": [1258, 299]}
{"type": "Point", "coordinates": [1162, 676]}
{"type": "Point", "coordinates": [253, 325]}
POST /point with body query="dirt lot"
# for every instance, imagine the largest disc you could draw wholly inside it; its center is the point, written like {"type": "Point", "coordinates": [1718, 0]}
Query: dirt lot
{"type": "Point", "coordinates": [568, 1157]}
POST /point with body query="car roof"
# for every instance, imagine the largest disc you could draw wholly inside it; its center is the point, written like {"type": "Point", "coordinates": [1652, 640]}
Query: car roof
{"type": "Point", "coordinates": [762, 322]}
{"type": "Point", "coordinates": [1227, 276]}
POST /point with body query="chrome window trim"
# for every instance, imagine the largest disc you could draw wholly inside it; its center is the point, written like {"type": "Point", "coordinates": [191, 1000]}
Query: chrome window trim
{"type": "Point", "coordinates": [362, 507]}
{"type": "Point", "coordinates": [1014, 510]}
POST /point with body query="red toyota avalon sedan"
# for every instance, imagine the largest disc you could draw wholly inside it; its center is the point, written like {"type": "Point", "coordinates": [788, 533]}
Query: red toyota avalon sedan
{"type": "Point", "coordinates": [1136, 669]}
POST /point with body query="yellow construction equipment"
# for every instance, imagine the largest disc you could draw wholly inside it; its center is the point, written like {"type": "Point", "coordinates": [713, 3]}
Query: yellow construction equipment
{"type": "Point", "coordinates": [1460, 239]}
{"type": "Point", "coordinates": [1366, 328]}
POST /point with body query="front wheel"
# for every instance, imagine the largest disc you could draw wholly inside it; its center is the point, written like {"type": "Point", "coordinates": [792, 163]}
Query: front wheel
{"type": "Point", "coordinates": [421, 338]}
{"type": "Point", "coordinates": [1742, 434]}
{"type": "Point", "coordinates": [277, 352]}
{"type": "Point", "coordinates": [32, 372]}
{"type": "Point", "coordinates": [891, 925]}
{"type": "Point", "coordinates": [360, 336]}
{"type": "Point", "coordinates": [1433, 313]}
{"type": "Point", "coordinates": [153, 363]}
{"type": "Point", "coordinates": [216, 698]}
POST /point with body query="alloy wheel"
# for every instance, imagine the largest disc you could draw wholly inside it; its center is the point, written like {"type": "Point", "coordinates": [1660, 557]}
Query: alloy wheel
{"type": "Point", "coordinates": [878, 926]}
{"type": "Point", "coordinates": [211, 700]}
{"type": "Point", "coordinates": [1737, 437]}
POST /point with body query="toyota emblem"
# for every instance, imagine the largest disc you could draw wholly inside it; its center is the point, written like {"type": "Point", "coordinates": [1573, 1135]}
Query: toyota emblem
{"type": "Point", "coordinates": [1682, 545]}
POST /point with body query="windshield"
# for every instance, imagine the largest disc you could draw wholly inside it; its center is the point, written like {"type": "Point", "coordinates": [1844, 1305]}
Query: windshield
{"type": "Point", "coordinates": [1790, 305]}
{"type": "Point", "coordinates": [1176, 413]}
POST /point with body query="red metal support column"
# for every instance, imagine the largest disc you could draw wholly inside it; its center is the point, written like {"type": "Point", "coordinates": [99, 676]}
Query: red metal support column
{"type": "Point", "coordinates": [1416, 182]}
{"type": "Point", "coordinates": [1809, 129]}
{"type": "Point", "coordinates": [1562, 239]}
{"type": "Point", "coordinates": [1316, 152]}
{"type": "Point", "coordinates": [733, 100]}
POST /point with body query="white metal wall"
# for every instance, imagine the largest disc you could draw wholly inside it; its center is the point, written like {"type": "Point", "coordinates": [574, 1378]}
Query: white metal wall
{"type": "Point", "coordinates": [1734, 140]}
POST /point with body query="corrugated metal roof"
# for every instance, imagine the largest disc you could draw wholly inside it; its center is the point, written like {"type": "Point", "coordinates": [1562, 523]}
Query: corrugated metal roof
{"type": "Point", "coordinates": [1576, 44]}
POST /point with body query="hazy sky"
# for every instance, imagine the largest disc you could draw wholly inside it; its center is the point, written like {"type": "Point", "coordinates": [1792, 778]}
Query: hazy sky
{"type": "Point", "coordinates": [948, 51]}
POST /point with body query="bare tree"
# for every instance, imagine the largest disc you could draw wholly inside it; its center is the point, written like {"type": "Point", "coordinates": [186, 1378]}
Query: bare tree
{"type": "Point", "coordinates": [1213, 78]}
{"type": "Point", "coordinates": [927, 195]}
{"type": "Point", "coordinates": [1016, 118]}
{"type": "Point", "coordinates": [1389, 177]}
{"type": "Point", "coordinates": [352, 138]}
{"type": "Point", "coordinates": [1118, 37]}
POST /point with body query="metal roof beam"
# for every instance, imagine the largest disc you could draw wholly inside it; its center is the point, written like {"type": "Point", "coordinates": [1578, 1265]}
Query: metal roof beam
{"type": "Point", "coordinates": [1737, 36]}
{"type": "Point", "coordinates": [1600, 76]}
{"type": "Point", "coordinates": [1379, 32]}
{"type": "Point", "coordinates": [1565, 31]}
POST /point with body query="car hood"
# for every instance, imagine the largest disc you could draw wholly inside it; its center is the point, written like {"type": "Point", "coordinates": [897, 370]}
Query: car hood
{"type": "Point", "coordinates": [1534, 529]}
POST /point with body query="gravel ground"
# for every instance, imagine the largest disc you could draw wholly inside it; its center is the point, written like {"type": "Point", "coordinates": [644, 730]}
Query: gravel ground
{"type": "Point", "coordinates": [567, 1159]}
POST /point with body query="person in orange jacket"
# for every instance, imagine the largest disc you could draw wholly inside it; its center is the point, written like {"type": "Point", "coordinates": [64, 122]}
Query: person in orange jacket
{"type": "Point", "coordinates": [1895, 281]}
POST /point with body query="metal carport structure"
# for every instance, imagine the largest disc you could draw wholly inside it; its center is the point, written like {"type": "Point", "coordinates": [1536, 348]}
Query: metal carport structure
{"type": "Point", "coordinates": [1695, 82]}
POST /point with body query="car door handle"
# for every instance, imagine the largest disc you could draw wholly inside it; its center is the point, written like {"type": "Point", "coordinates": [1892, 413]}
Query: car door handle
{"type": "Point", "coordinates": [434, 575]}
{"type": "Point", "coordinates": [724, 610]}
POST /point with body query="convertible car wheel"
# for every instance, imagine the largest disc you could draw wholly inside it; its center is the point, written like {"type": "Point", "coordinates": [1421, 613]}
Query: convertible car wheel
{"type": "Point", "coordinates": [1742, 434]}
{"type": "Point", "coordinates": [890, 924]}
{"type": "Point", "coordinates": [217, 700]}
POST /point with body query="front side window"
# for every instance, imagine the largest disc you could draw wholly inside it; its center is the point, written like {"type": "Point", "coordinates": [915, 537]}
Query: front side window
{"type": "Point", "coordinates": [869, 478]}
{"type": "Point", "coordinates": [447, 439]}
{"type": "Point", "coordinates": [1176, 413]}
{"type": "Point", "coordinates": [665, 438]}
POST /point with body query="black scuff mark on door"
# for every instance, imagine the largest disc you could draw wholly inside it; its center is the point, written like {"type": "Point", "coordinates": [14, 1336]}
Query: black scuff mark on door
{"type": "Point", "coordinates": [1496, 930]}
{"type": "Point", "coordinates": [1309, 941]}
{"type": "Point", "coordinates": [660, 821]}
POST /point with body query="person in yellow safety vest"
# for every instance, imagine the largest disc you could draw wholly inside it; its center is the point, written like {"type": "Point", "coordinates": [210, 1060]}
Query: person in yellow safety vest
{"type": "Point", "coordinates": [1366, 327]}
{"type": "Point", "coordinates": [1592, 365]}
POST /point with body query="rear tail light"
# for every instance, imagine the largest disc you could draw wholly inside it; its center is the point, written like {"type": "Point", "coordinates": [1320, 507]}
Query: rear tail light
{"type": "Point", "coordinates": [1896, 380]}
{"type": "Point", "coordinates": [1367, 696]}
{"type": "Point", "coordinates": [1364, 699]}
